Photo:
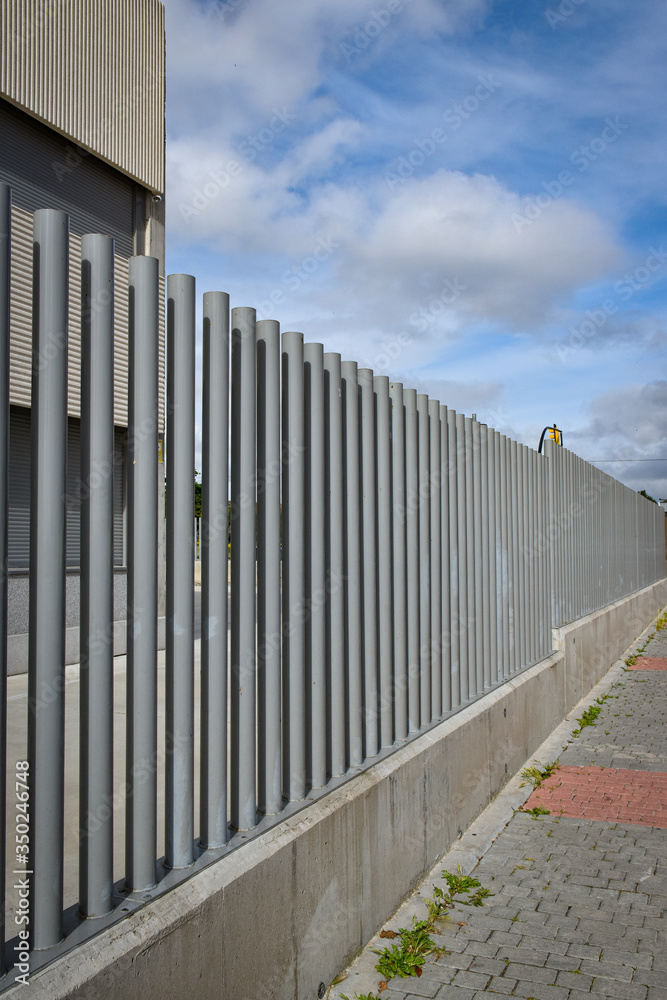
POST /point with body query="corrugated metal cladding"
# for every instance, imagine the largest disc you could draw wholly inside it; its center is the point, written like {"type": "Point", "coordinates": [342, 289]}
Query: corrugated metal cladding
{"type": "Point", "coordinates": [45, 171]}
{"type": "Point", "coordinates": [94, 70]}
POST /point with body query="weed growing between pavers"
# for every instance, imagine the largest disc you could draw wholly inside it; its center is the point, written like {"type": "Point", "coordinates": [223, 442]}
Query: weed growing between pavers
{"type": "Point", "coordinates": [535, 776]}
{"type": "Point", "coordinates": [590, 715]}
{"type": "Point", "coordinates": [416, 943]}
{"type": "Point", "coordinates": [536, 812]}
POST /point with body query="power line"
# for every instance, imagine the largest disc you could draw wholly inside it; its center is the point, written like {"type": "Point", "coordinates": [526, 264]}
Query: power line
{"type": "Point", "coordinates": [600, 461]}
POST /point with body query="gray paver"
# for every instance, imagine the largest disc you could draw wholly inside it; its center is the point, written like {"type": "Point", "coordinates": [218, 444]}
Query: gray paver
{"type": "Point", "coordinates": [578, 905]}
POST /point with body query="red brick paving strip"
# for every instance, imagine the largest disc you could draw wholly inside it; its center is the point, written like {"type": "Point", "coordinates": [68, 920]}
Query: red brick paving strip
{"type": "Point", "coordinates": [650, 663]}
{"type": "Point", "coordinates": [605, 793]}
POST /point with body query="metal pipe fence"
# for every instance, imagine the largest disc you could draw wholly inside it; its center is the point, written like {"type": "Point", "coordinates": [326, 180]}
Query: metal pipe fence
{"type": "Point", "coordinates": [391, 561]}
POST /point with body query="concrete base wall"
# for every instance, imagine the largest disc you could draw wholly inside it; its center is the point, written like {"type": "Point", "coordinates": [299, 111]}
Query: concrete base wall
{"type": "Point", "coordinates": [284, 913]}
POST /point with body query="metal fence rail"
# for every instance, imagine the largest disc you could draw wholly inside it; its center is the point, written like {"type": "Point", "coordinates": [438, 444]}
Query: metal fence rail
{"type": "Point", "coordinates": [391, 560]}
{"type": "Point", "coordinates": [607, 541]}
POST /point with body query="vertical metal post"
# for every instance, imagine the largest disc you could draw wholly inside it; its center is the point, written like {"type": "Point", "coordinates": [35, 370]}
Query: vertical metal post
{"type": "Point", "coordinates": [179, 659]}
{"type": "Point", "coordinates": [545, 605]}
{"type": "Point", "coordinates": [353, 634]}
{"type": "Point", "coordinates": [548, 569]}
{"type": "Point", "coordinates": [445, 619]}
{"type": "Point", "coordinates": [214, 568]}
{"type": "Point", "coordinates": [515, 591]}
{"type": "Point", "coordinates": [553, 513]}
{"type": "Point", "coordinates": [573, 555]}
{"type": "Point", "coordinates": [454, 559]}
{"type": "Point", "coordinates": [490, 589]}
{"type": "Point", "coordinates": [243, 808]}
{"type": "Point", "coordinates": [142, 492]}
{"type": "Point", "coordinates": [504, 590]}
{"type": "Point", "coordinates": [532, 578]}
{"type": "Point", "coordinates": [385, 622]}
{"type": "Point", "coordinates": [269, 633]}
{"type": "Point", "coordinates": [541, 560]}
{"type": "Point", "coordinates": [294, 632]}
{"type": "Point", "coordinates": [480, 568]}
{"type": "Point", "coordinates": [522, 502]}
{"type": "Point", "coordinates": [400, 597]}
{"type": "Point", "coordinates": [412, 560]}
{"type": "Point", "coordinates": [463, 513]}
{"type": "Point", "coordinates": [333, 411]}
{"type": "Point", "coordinates": [423, 504]}
{"type": "Point", "coordinates": [96, 547]}
{"type": "Point", "coordinates": [484, 590]}
{"type": "Point", "coordinates": [5, 297]}
{"type": "Point", "coordinates": [435, 483]}
{"type": "Point", "coordinates": [369, 559]}
{"type": "Point", "coordinates": [46, 649]}
{"type": "Point", "coordinates": [316, 623]}
{"type": "Point", "coordinates": [532, 572]}
{"type": "Point", "coordinates": [497, 555]}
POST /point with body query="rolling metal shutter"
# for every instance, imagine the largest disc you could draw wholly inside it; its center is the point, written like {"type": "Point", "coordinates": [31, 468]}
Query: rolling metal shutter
{"type": "Point", "coordinates": [19, 491]}
{"type": "Point", "coordinates": [45, 171]}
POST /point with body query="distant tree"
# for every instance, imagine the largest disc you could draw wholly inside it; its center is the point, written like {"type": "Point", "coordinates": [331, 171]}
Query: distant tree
{"type": "Point", "coordinates": [643, 493]}
{"type": "Point", "coordinates": [197, 495]}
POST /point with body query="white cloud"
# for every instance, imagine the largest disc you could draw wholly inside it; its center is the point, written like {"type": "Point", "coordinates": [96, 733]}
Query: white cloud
{"type": "Point", "coordinates": [450, 225]}
{"type": "Point", "coordinates": [243, 57]}
{"type": "Point", "coordinates": [629, 425]}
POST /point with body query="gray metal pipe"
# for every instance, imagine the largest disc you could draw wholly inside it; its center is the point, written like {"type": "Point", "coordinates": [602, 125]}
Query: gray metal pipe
{"type": "Point", "coordinates": [503, 562]}
{"type": "Point", "coordinates": [46, 643]}
{"type": "Point", "coordinates": [523, 505]}
{"type": "Point", "coordinates": [316, 593]}
{"type": "Point", "coordinates": [435, 492]}
{"type": "Point", "coordinates": [454, 572]}
{"type": "Point", "coordinates": [385, 622]}
{"type": "Point", "coordinates": [294, 632]}
{"type": "Point", "coordinates": [514, 545]}
{"type": "Point", "coordinates": [5, 296]}
{"type": "Point", "coordinates": [369, 552]}
{"type": "Point", "coordinates": [496, 557]}
{"type": "Point", "coordinates": [463, 513]}
{"type": "Point", "coordinates": [96, 548]}
{"type": "Point", "coordinates": [491, 576]}
{"type": "Point", "coordinates": [484, 591]}
{"type": "Point", "coordinates": [243, 793]}
{"type": "Point", "coordinates": [400, 597]}
{"type": "Point", "coordinates": [214, 568]}
{"type": "Point", "coordinates": [480, 567]}
{"type": "Point", "coordinates": [353, 541]}
{"type": "Point", "coordinates": [445, 619]}
{"type": "Point", "coordinates": [269, 630]}
{"type": "Point", "coordinates": [533, 580]}
{"type": "Point", "coordinates": [142, 491]}
{"type": "Point", "coordinates": [179, 658]}
{"type": "Point", "coordinates": [412, 560]}
{"type": "Point", "coordinates": [335, 571]}
{"type": "Point", "coordinates": [423, 504]}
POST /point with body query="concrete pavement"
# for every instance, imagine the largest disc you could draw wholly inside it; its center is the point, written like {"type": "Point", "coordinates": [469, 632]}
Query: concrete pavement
{"type": "Point", "coordinates": [579, 891]}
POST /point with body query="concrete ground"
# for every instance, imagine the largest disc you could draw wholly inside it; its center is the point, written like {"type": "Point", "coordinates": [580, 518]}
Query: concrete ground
{"type": "Point", "coordinates": [579, 885]}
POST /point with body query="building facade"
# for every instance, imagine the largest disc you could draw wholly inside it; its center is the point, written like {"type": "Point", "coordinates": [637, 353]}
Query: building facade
{"type": "Point", "coordinates": [82, 91]}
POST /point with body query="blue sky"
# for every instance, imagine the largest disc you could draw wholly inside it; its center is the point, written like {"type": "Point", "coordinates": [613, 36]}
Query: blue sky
{"type": "Point", "coordinates": [467, 195]}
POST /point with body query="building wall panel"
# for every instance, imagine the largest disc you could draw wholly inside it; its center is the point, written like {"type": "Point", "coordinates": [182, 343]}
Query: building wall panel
{"type": "Point", "coordinates": [93, 70]}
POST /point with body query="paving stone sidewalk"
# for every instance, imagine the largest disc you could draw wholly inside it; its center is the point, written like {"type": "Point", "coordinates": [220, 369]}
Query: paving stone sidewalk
{"type": "Point", "coordinates": [578, 904]}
